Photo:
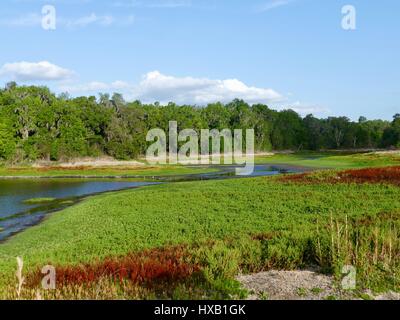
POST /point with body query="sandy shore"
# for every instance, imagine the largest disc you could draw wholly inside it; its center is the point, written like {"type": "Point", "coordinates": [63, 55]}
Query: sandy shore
{"type": "Point", "coordinates": [89, 162]}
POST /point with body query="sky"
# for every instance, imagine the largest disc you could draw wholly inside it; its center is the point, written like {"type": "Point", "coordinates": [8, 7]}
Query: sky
{"type": "Point", "coordinates": [285, 53]}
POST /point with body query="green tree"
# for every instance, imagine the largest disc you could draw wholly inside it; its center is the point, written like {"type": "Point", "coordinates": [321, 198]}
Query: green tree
{"type": "Point", "coordinates": [7, 140]}
{"type": "Point", "coordinates": [289, 132]}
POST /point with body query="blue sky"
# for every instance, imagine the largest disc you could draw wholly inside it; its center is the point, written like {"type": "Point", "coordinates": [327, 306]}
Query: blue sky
{"type": "Point", "coordinates": [286, 53]}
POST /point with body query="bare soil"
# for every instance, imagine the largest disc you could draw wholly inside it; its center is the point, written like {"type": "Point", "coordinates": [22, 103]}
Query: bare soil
{"type": "Point", "coordinates": [301, 285]}
{"type": "Point", "coordinates": [89, 162]}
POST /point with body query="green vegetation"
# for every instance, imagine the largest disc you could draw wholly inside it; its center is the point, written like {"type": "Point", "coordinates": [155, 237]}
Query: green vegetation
{"type": "Point", "coordinates": [36, 124]}
{"type": "Point", "coordinates": [328, 160]}
{"type": "Point", "coordinates": [333, 160]}
{"type": "Point", "coordinates": [39, 200]}
{"type": "Point", "coordinates": [317, 290]}
{"type": "Point", "coordinates": [229, 226]}
{"type": "Point", "coordinates": [301, 292]}
{"type": "Point", "coordinates": [140, 172]}
{"type": "Point", "coordinates": [365, 296]}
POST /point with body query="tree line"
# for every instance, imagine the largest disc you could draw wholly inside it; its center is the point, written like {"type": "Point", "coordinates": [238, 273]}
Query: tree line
{"type": "Point", "coordinates": [37, 124]}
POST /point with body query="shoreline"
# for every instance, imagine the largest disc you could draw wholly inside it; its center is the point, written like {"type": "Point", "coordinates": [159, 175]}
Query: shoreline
{"type": "Point", "coordinates": [214, 169]}
{"type": "Point", "coordinates": [79, 177]}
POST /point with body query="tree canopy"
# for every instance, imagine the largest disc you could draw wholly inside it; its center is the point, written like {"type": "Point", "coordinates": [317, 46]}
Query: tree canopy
{"type": "Point", "coordinates": [37, 124]}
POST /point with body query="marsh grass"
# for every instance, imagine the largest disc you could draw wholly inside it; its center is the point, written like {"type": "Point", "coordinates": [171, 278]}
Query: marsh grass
{"type": "Point", "coordinates": [334, 159]}
{"type": "Point", "coordinates": [227, 227]}
{"type": "Point", "coordinates": [20, 277]}
{"type": "Point", "coordinates": [207, 270]}
{"type": "Point", "coordinates": [86, 171]}
{"type": "Point", "coordinates": [370, 244]}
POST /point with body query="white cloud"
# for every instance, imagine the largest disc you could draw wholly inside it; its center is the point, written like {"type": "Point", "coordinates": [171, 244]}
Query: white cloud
{"type": "Point", "coordinates": [163, 88]}
{"type": "Point", "coordinates": [307, 108]}
{"type": "Point", "coordinates": [34, 71]}
{"type": "Point", "coordinates": [35, 20]}
{"type": "Point", "coordinates": [156, 86]}
{"type": "Point", "coordinates": [90, 19]}
{"type": "Point", "coordinates": [273, 4]}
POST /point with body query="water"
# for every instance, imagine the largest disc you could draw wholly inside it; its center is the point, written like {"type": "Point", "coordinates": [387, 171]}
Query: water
{"type": "Point", "coordinates": [15, 215]}
{"type": "Point", "coordinates": [228, 172]}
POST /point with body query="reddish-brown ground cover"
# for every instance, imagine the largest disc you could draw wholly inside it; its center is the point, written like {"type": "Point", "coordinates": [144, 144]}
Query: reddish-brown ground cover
{"type": "Point", "coordinates": [372, 175]}
{"type": "Point", "coordinates": [390, 175]}
{"type": "Point", "coordinates": [146, 267]}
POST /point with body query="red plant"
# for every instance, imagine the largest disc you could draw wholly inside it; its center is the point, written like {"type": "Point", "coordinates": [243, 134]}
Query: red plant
{"type": "Point", "coordinates": [301, 178]}
{"type": "Point", "coordinates": [146, 267]}
{"type": "Point", "coordinates": [389, 175]}
{"type": "Point", "coordinates": [372, 175]}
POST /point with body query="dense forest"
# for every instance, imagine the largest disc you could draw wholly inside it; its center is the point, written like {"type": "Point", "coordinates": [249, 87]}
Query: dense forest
{"type": "Point", "coordinates": [37, 124]}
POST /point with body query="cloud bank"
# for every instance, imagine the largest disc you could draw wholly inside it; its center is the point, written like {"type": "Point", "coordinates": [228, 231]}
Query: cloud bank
{"type": "Point", "coordinates": [156, 86]}
{"type": "Point", "coordinates": [163, 88]}
{"type": "Point", "coordinates": [34, 71]}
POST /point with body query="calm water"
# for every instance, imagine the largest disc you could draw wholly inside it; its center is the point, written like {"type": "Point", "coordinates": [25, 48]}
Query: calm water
{"type": "Point", "coordinates": [15, 215]}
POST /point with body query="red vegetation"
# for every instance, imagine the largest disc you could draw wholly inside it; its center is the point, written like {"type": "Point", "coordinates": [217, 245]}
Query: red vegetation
{"type": "Point", "coordinates": [300, 178]}
{"type": "Point", "coordinates": [372, 175]}
{"type": "Point", "coordinates": [389, 175]}
{"type": "Point", "coordinates": [146, 267]}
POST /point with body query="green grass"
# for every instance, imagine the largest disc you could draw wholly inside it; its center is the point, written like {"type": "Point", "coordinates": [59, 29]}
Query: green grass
{"type": "Point", "coordinates": [333, 160]}
{"type": "Point", "coordinates": [145, 172]}
{"type": "Point", "coordinates": [301, 292]}
{"type": "Point", "coordinates": [299, 222]}
{"type": "Point", "coordinates": [308, 159]}
{"type": "Point", "coordinates": [39, 200]}
{"type": "Point", "coordinates": [317, 290]}
{"type": "Point", "coordinates": [230, 226]}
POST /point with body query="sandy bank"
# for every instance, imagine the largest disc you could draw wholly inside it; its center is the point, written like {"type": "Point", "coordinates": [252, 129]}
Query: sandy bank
{"type": "Point", "coordinates": [89, 162]}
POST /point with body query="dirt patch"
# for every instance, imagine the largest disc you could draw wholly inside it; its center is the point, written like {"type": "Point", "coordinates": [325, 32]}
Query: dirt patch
{"type": "Point", "coordinates": [388, 152]}
{"type": "Point", "coordinates": [288, 285]}
{"type": "Point", "coordinates": [88, 162]}
{"type": "Point", "coordinates": [90, 168]}
{"type": "Point", "coordinates": [302, 285]}
{"type": "Point", "coordinates": [387, 296]}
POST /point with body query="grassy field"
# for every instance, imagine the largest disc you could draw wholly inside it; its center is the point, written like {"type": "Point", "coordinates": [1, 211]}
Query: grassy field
{"type": "Point", "coordinates": [144, 172]}
{"type": "Point", "coordinates": [227, 226]}
{"type": "Point", "coordinates": [190, 239]}
{"type": "Point", "coordinates": [333, 159]}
